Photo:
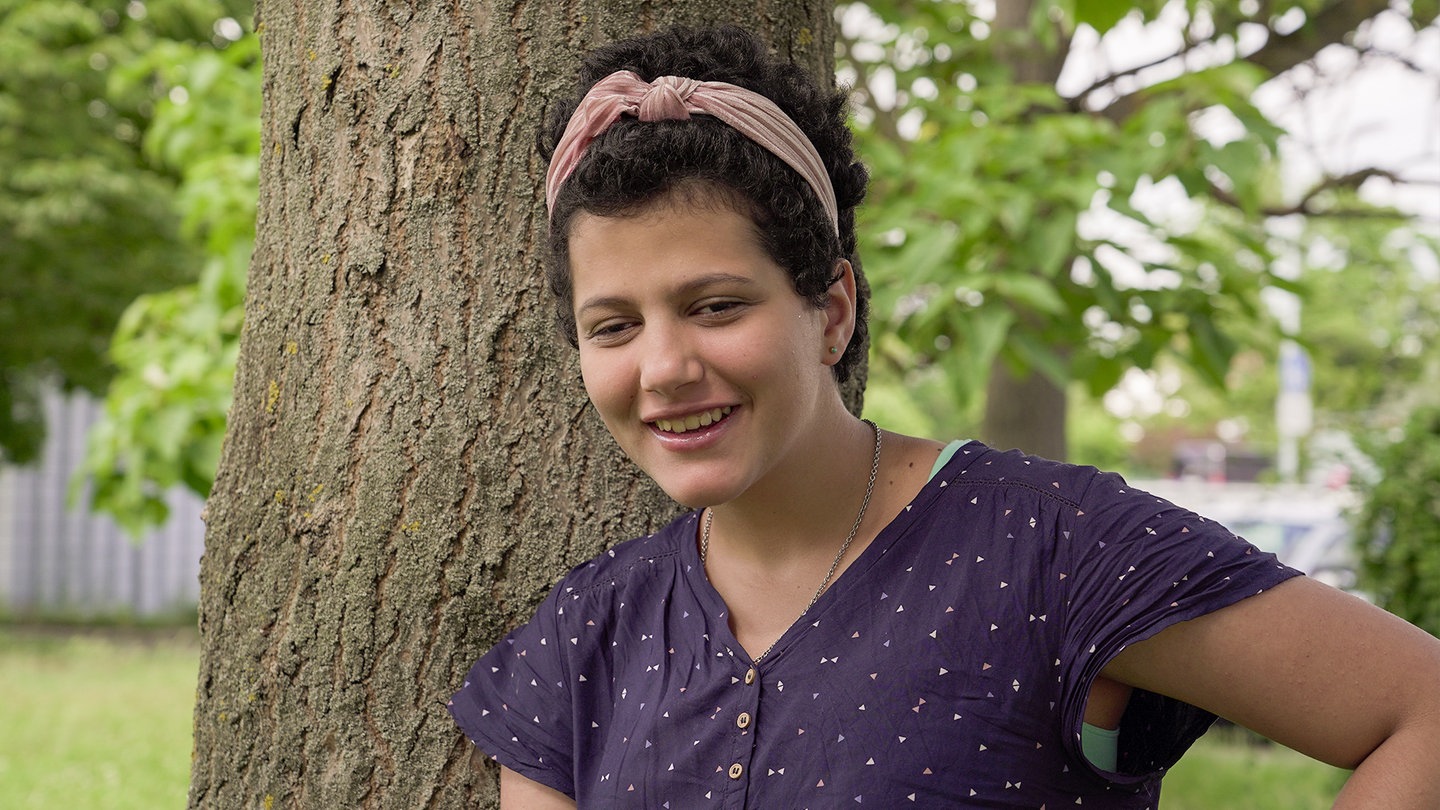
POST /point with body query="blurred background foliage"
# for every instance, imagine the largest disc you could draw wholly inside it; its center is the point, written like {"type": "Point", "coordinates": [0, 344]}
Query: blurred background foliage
{"type": "Point", "coordinates": [1086, 236]}
{"type": "Point", "coordinates": [129, 136]}
{"type": "Point", "coordinates": [174, 351]}
{"type": "Point", "coordinates": [1399, 525]}
{"type": "Point", "coordinates": [1049, 201]}
{"type": "Point", "coordinates": [86, 222]}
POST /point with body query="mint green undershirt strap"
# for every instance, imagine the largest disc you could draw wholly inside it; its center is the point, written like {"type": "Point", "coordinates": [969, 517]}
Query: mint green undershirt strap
{"type": "Point", "coordinates": [1099, 745]}
{"type": "Point", "coordinates": [947, 454]}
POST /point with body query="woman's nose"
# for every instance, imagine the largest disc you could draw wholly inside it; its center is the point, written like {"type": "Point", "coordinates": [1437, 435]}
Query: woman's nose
{"type": "Point", "coordinates": [669, 363]}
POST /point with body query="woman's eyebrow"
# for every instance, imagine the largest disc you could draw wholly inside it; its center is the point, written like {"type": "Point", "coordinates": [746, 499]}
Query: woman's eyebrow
{"type": "Point", "coordinates": [690, 287]}
{"type": "Point", "coordinates": [713, 279]}
{"type": "Point", "coordinates": [602, 302]}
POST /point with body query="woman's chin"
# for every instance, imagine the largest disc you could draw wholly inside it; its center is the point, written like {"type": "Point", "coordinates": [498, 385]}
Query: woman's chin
{"type": "Point", "coordinates": [694, 494]}
{"type": "Point", "coordinates": [691, 498]}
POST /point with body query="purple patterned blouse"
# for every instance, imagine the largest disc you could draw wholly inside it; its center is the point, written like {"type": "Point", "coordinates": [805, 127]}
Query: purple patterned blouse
{"type": "Point", "coordinates": [947, 666]}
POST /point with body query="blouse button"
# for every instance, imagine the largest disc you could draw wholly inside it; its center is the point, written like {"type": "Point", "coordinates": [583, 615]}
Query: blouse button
{"type": "Point", "coordinates": [736, 770]}
{"type": "Point", "coordinates": [743, 721]}
{"type": "Point", "coordinates": [749, 676]}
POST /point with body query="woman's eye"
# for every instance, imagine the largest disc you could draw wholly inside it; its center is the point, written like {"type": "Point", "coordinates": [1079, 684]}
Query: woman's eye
{"type": "Point", "coordinates": [718, 307]}
{"type": "Point", "coordinates": [608, 330]}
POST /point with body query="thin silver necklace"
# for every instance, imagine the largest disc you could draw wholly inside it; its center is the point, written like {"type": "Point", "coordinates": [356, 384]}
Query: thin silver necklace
{"type": "Point", "coordinates": [839, 555]}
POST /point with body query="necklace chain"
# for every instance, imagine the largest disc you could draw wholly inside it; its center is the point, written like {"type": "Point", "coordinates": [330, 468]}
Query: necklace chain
{"type": "Point", "coordinates": [839, 555]}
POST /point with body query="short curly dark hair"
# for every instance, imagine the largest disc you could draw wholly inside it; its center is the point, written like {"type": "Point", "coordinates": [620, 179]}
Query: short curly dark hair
{"type": "Point", "coordinates": [633, 163]}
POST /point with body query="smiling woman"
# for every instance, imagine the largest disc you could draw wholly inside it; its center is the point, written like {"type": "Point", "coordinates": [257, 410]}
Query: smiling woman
{"type": "Point", "coordinates": [854, 615]}
{"type": "Point", "coordinates": [709, 370]}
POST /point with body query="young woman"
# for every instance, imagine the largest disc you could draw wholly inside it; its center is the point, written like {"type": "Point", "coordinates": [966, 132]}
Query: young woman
{"type": "Point", "coordinates": [853, 616]}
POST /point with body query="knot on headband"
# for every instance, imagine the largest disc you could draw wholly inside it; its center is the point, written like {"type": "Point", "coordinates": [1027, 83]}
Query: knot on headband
{"type": "Point", "coordinates": [675, 98]}
{"type": "Point", "coordinates": [666, 98]}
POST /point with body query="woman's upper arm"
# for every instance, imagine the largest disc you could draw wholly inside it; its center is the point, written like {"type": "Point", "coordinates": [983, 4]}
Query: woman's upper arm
{"type": "Point", "coordinates": [521, 793]}
{"type": "Point", "coordinates": [1304, 664]}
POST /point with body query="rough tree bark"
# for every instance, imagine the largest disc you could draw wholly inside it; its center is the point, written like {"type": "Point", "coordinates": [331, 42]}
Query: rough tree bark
{"type": "Point", "coordinates": [410, 461]}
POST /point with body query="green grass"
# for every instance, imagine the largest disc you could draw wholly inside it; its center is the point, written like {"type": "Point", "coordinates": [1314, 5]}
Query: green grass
{"type": "Point", "coordinates": [1232, 768]}
{"type": "Point", "coordinates": [101, 720]}
{"type": "Point", "coordinates": [92, 721]}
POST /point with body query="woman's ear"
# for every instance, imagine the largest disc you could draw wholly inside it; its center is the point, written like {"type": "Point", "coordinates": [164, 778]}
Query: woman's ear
{"type": "Point", "coordinates": [839, 311]}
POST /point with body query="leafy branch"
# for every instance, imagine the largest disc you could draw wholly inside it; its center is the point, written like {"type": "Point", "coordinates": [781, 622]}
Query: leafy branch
{"type": "Point", "coordinates": [1306, 205]}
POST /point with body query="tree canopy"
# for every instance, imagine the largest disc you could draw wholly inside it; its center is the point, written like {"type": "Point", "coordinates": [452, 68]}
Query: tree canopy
{"type": "Point", "coordinates": [88, 218]}
{"type": "Point", "coordinates": [1064, 191]}
{"type": "Point", "coordinates": [175, 350]}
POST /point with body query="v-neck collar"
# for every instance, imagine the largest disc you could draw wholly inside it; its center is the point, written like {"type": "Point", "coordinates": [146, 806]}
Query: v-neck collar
{"type": "Point", "coordinates": [887, 537]}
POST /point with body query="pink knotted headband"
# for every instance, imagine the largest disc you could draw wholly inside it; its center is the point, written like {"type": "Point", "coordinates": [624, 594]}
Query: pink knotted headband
{"type": "Point", "coordinates": [672, 98]}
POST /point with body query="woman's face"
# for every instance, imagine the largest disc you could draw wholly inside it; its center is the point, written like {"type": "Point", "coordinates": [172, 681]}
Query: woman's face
{"type": "Point", "coordinates": [704, 363]}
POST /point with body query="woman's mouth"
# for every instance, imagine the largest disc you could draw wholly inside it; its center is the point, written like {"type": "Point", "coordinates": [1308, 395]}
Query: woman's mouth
{"type": "Point", "coordinates": [694, 421]}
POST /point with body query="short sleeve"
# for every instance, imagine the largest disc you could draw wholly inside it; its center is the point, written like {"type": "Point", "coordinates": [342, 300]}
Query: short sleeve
{"type": "Point", "coordinates": [514, 706]}
{"type": "Point", "coordinates": [1138, 564]}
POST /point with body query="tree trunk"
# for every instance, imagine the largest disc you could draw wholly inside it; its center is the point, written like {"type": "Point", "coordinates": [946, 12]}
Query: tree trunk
{"type": "Point", "coordinates": [410, 460]}
{"type": "Point", "coordinates": [1024, 411]}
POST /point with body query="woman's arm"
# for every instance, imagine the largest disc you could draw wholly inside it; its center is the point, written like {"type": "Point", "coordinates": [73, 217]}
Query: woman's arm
{"type": "Point", "coordinates": [1317, 670]}
{"type": "Point", "coordinates": [519, 793]}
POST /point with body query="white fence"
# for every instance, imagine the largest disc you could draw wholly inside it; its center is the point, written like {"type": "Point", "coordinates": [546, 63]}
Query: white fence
{"type": "Point", "coordinates": [59, 559]}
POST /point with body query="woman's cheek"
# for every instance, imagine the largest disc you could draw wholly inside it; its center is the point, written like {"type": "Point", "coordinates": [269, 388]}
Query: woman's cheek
{"type": "Point", "coordinates": [606, 387]}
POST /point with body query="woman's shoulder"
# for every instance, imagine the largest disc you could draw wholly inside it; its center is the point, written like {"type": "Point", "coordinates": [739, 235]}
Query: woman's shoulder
{"type": "Point", "coordinates": [638, 557]}
{"type": "Point", "coordinates": [1081, 494]}
{"type": "Point", "coordinates": [977, 464]}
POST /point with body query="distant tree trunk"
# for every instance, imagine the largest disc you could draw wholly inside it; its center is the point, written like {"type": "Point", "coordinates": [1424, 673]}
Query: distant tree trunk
{"type": "Point", "coordinates": [1025, 411]}
{"type": "Point", "coordinates": [410, 460]}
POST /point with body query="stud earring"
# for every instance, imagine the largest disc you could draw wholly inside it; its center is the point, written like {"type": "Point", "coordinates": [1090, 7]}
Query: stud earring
{"type": "Point", "coordinates": [834, 350]}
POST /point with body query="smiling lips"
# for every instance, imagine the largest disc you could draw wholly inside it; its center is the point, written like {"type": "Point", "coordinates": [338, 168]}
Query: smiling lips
{"type": "Point", "coordinates": [694, 421]}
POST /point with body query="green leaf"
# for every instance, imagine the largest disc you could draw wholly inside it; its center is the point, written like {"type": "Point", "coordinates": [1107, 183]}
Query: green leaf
{"type": "Point", "coordinates": [1030, 353]}
{"type": "Point", "coordinates": [1105, 373]}
{"type": "Point", "coordinates": [1054, 242]}
{"type": "Point", "coordinates": [984, 334]}
{"type": "Point", "coordinates": [1211, 349]}
{"type": "Point", "coordinates": [1102, 15]}
{"type": "Point", "coordinates": [1036, 294]}
{"type": "Point", "coordinates": [928, 253]}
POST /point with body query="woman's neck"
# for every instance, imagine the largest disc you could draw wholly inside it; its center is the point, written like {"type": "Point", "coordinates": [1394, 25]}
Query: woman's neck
{"type": "Point", "coordinates": [807, 505]}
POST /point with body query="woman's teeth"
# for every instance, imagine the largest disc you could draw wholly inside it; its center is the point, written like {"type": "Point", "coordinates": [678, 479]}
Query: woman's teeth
{"type": "Point", "coordinates": [694, 421]}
